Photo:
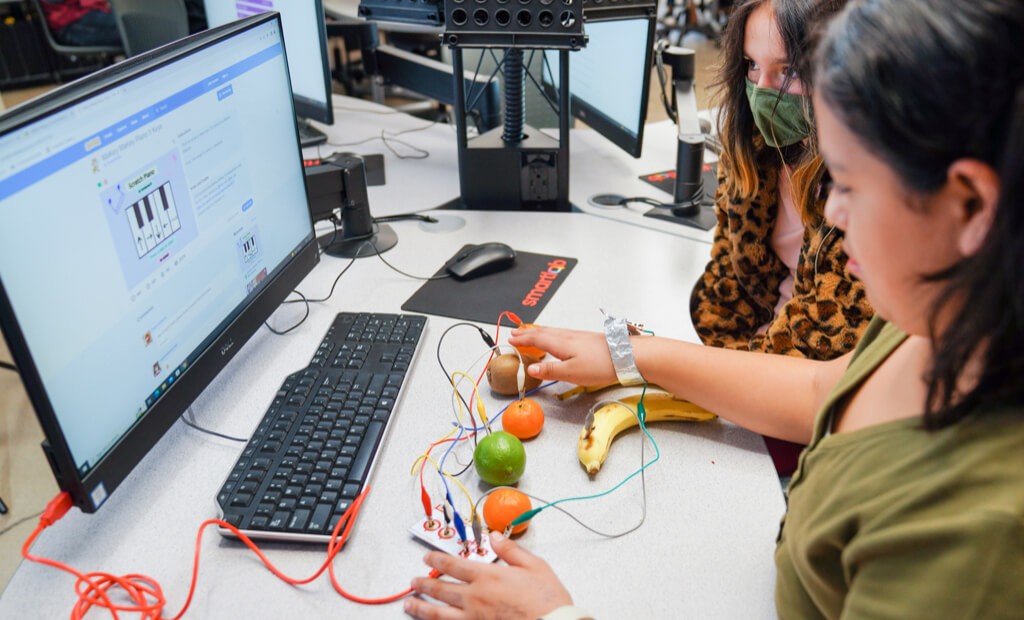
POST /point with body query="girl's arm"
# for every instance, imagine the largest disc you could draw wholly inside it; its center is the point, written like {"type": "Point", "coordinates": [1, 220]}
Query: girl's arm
{"type": "Point", "coordinates": [772, 395]}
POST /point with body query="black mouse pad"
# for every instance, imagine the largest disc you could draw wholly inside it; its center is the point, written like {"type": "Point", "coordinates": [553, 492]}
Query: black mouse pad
{"type": "Point", "coordinates": [524, 289]}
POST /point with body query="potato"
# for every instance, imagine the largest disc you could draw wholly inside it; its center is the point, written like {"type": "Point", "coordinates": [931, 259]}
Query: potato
{"type": "Point", "coordinates": [501, 374]}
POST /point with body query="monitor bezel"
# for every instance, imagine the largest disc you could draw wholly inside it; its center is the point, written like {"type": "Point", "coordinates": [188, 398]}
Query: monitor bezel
{"type": "Point", "coordinates": [592, 116]}
{"type": "Point", "coordinates": [110, 471]}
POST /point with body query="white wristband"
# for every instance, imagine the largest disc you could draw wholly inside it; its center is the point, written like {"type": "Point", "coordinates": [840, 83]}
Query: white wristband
{"type": "Point", "coordinates": [616, 332]}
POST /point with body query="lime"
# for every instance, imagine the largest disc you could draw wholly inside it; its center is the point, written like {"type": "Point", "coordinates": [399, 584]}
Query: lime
{"type": "Point", "coordinates": [500, 458]}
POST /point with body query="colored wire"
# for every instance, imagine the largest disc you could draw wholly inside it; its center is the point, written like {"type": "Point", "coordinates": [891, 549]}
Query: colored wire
{"type": "Point", "coordinates": [640, 415]}
{"type": "Point", "coordinates": [465, 491]}
{"type": "Point", "coordinates": [487, 340]}
{"type": "Point", "coordinates": [147, 595]}
{"type": "Point", "coordinates": [498, 415]}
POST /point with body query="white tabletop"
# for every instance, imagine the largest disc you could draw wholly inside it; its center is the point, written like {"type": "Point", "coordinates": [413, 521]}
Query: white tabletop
{"type": "Point", "coordinates": [599, 167]}
{"type": "Point", "coordinates": [713, 500]}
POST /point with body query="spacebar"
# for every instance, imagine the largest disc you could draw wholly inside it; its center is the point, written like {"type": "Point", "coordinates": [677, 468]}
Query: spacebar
{"type": "Point", "coordinates": [362, 461]}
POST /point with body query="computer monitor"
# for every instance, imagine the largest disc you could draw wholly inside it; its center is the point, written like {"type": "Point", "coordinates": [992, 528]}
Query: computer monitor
{"type": "Point", "coordinates": [146, 232]}
{"type": "Point", "coordinates": [305, 36]}
{"type": "Point", "coordinates": [609, 79]}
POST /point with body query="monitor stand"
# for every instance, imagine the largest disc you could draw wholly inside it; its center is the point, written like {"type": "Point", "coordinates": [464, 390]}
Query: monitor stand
{"type": "Point", "coordinates": [381, 240]}
{"type": "Point", "coordinates": [309, 135]}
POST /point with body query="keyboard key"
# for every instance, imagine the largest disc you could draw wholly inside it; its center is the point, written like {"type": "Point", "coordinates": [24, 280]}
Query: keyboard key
{"type": "Point", "coordinates": [279, 520]}
{"type": "Point", "coordinates": [310, 454]}
{"type": "Point", "coordinates": [299, 520]}
{"type": "Point", "coordinates": [367, 450]}
{"type": "Point", "coordinates": [321, 514]}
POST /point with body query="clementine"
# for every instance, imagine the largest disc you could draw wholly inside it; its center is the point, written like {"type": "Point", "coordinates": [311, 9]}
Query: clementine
{"type": "Point", "coordinates": [503, 506]}
{"type": "Point", "coordinates": [523, 418]}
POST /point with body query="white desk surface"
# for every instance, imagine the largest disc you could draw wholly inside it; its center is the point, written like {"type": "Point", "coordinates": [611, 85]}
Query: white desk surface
{"type": "Point", "coordinates": [713, 500]}
{"type": "Point", "coordinates": [596, 165]}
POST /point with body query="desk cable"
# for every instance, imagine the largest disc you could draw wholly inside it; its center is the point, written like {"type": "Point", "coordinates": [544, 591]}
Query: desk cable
{"type": "Point", "coordinates": [304, 300]}
{"type": "Point", "coordinates": [388, 137]}
{"type": "Point", "coordinates": [145, 593]}
{"type": "Point", "coordinates": [189, 419]}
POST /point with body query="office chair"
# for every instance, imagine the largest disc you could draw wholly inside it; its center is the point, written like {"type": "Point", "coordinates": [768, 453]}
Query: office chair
{"type": "Point", "coordinates": [681, 17]}
{"type": "Point", "coordinates": [105, 53]}
{"type": "Point", "coordinates": [148, 24]}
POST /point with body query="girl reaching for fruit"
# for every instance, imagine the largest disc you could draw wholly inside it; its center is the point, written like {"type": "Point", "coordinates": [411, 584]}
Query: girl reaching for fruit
{"type": "Point", "coordinates": [906, 503]}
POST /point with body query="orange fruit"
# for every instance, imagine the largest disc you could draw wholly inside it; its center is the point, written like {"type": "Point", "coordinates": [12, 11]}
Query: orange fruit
{"type": "Point", "coordinates": [530, 354]}
{"type": "Point", "coordinates": [503, 506]}
{"type": "Point", "coordinates": [523, 418]}
{"type": "Point", "coordinates": [500, 459]}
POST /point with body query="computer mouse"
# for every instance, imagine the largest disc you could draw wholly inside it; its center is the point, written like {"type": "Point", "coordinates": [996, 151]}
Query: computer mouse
{"type": "Point", "coordinates": [480, 260]}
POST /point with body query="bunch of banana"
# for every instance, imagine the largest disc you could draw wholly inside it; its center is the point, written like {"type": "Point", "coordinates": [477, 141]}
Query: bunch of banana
{"type": "Point", "coordinates": [602, 426]}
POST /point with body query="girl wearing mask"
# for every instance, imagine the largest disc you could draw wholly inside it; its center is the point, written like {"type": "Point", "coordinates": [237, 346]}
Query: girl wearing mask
{"type": "Point", "coordinates": [907, 502]}
{"type": "Point", "coordinates": [777, 281]}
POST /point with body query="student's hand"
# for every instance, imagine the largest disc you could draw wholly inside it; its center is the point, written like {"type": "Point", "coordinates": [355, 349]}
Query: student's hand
{"type": "Point", "coordinates": [584, 355]}
{"type": "Point", "coordinates": [526, 588]}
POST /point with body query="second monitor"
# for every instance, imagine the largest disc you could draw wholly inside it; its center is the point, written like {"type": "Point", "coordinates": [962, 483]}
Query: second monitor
{"type": "Point", "coordinates": [609, 79]}
{"type": "Point", "coordinates": [305, 36]}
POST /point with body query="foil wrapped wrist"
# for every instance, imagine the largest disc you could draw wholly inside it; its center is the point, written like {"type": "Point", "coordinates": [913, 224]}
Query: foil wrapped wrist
{"type": "Point", "coordinates": [616, 332]}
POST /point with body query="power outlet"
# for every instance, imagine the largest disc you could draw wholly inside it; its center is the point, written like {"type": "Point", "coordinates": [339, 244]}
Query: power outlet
{"type": "Point", "coordinates": [539, 177]}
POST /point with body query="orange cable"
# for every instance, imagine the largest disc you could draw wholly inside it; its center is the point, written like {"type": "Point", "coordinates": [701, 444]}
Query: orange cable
{"type": "Point", "coordinates": [92, 588]}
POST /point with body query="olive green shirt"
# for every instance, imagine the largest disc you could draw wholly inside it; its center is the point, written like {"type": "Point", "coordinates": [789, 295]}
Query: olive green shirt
{"type": "Point", "coordinates": [893, 521]}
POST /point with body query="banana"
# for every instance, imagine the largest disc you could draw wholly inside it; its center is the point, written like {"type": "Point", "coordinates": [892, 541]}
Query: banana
{"type": "Point", "coordinates": [583, 389]}
{"type": "Point", "coordinates": [601, 428]}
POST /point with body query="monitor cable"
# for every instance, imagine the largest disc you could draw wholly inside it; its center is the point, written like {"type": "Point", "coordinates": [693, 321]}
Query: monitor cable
{"type": "Point", "coordinates": [8, 366]}
{"type": "Point", "coordinates": [388, 137]}
{"type": "Point", "coordinates": [19, 522]}
{"type": "Point", "coordinates": [405, 216]}
{"type": "Point", "coordinates": [189, 418]}
{"type": "Point", "coordinates": [304, 300]}
{"type": "Point", "coordinates": [299, 322]}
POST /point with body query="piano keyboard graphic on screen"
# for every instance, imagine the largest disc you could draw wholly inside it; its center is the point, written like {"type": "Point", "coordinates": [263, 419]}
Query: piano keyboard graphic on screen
{"type": "Point", "coordinates": [153, 219]}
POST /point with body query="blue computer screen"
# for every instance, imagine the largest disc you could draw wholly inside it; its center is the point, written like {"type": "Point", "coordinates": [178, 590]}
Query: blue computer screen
{"type": "Point", "coordinates": [138, 222]}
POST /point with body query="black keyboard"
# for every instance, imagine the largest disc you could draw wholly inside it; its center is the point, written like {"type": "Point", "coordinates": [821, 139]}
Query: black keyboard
{"type": "Point", "coordinates": [312, 452]}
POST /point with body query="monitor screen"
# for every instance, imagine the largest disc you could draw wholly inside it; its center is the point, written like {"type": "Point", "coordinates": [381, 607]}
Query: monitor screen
{"type": "Point", "coordinates": [146, 232]}
{"type": "Point", "coordinates": [609, 79]}
{"type": "Point", "coordinates": [305, 36]}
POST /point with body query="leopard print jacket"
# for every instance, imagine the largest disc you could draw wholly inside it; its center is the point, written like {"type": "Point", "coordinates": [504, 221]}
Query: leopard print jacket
{"type": "Point", "coordinates": [740, 287]}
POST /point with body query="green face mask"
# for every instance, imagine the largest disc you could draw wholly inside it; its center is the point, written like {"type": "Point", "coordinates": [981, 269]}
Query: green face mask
{"type": "Point", "coordinates": [782, 124]}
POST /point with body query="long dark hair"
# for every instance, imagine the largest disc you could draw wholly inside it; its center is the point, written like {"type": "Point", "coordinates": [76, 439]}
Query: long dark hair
{"type": "Point", "coordinates": [924, 84]}
{"type": "Point", "coordinates": [744, 151]}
